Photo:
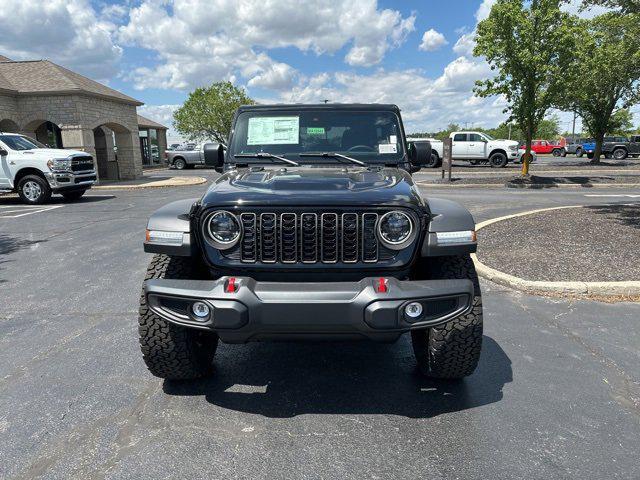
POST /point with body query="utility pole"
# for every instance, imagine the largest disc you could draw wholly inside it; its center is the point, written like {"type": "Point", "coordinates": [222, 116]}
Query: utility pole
{"type": "Point", "coordinates": [509, 130]}
{"type": "Point", "coordinates": [573, 129]}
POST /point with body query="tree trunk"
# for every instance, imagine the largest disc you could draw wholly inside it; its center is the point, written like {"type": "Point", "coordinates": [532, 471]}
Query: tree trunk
{"type": "Point", "coordinates": [527, 152]}
{"type": "Point", "coordinates": [598, 150]}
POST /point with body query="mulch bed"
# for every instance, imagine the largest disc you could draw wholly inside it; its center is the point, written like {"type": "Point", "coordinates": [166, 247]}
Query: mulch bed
{"type": "Point", "coordinates": [590, 244]}
{"type": "Point", "coordinates": [510, 180]}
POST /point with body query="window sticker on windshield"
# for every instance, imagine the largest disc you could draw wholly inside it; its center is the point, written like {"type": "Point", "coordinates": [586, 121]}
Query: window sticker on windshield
{"type": "Point", "coordinates": [273, 130]}
{"type": "Point", "coordinates": [315, 130]}
{"type": "Point", "coordinates": [387, 148]}
{"type": "Point", "coordinates": [393, 139]}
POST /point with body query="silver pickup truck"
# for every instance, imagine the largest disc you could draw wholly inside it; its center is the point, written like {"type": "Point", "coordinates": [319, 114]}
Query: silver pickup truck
{"type": "Point", "coordinates": [187, 158]}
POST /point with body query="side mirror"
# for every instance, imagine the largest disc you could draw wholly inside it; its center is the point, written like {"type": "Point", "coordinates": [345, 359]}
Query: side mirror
{"type": "Point", "coordinates": [214, 156]}
{"type": "Point", "coordinates": [3, 152]}
{"type": "Point", "coordinates": [420, 153]}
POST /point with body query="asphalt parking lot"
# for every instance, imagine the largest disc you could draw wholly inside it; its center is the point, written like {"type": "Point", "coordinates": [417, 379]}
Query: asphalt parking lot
{"type": "Point", "coordinates": [556, 395]}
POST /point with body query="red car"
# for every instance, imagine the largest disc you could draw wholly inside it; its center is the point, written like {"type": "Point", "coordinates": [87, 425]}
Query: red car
{"type": "Point", "coordinates": [544, 146]}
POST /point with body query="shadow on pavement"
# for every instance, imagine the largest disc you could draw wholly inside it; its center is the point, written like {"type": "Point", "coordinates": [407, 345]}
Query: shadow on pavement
{"type": "Point", "coordinates": [9, 245]}
{"type": "Point", "coordinates": [624, 214]}
{"type": "Point", "coordinates": [282, 380]}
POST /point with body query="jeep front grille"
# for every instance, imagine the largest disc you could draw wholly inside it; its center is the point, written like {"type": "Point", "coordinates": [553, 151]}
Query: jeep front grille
{"type": "Point", "coordinates": [306, 237]}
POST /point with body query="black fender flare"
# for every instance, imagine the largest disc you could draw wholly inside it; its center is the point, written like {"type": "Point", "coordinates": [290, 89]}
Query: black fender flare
{"type": "Point", "coordinates": [173, 217]}
{"type": "Point", "coordinates": [447, 216]}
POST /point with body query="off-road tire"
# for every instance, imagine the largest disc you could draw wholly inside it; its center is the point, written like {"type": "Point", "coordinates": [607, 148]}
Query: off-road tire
{"type": "Point", "coordinates": [45, 190]}
{"type": "Point", "coordinates": [556, 152]}
{"type": "Point", "coordinates": [434, 161]}
{"type": "Point", "coordinates": [73, 196]}
{"type": "Point", "coordinates": [589, 154]}
{"type": "Point", "coordinates": [171, 351]}
{"type": "Point", "coordinates": [179, 164]}
{"type": "Point", "coordinates": [452, 350]}
{"type": "Point", "coordinates": [498, 160]}
{"type": "Point", "coordinates": [620, 154]}
{"type": "Point", "coordinates": [579, 152]}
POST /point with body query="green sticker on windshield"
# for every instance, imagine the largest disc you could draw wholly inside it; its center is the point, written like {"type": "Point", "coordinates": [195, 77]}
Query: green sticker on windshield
{"type": "Point", "coordinates": [315, 130]}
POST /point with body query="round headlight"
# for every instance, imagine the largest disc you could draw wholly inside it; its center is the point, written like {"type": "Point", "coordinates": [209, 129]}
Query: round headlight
{"type": "Point", "coordinates": [395, 229]}
{"type": "Point", "coordinates": [224, 229]}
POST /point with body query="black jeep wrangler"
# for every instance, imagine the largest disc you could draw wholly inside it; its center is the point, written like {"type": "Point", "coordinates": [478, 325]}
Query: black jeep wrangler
{"type": "Point", "coordinates": [314, 231]}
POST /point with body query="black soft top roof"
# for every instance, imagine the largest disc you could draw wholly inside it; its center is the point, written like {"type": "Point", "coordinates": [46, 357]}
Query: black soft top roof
{"type": "Point", "coordinates": [323, 106]}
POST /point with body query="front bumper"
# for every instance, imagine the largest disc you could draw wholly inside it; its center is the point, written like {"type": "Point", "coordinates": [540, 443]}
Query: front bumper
{"type": "Point", "coordinates": [59, 181]}
{"type": "Point", "coordinates": [337, 310]}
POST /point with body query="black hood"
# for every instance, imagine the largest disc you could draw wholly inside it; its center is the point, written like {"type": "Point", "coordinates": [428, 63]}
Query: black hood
{"type": "Point", "coordinates": [299, 186]}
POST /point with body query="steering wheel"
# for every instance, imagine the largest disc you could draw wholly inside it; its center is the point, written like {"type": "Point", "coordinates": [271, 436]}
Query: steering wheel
{"type": "Point", "coordinates": [367, 147]}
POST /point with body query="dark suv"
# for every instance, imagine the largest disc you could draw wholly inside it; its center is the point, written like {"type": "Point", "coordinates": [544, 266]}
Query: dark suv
{"type": "Point", "coordinates": [314, 231]}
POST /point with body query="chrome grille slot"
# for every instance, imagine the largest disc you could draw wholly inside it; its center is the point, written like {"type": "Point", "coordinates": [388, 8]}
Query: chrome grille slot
{"type": "Point", "coordinates": [350, 237]}
{"type": "Point", "coordinates": [329, 240]}
{"type": "Point", "coordinates": [288, 237]}
{"type": "Point", "coordinates": [249, 245]}
{"type": "Point", "coordinates": [369, 239]}
{"type": "Point", "coordinates": [309, 237]}
{"type": "Point", "coordinates": [268, 238]}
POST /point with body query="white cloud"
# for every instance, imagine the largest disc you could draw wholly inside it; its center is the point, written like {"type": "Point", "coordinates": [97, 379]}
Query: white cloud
{"type": "Point", "coordinates": [465, 44]}
{"type": "Point", "coordinates": [484, 9]}
{"type": "Point", "coordinates": [162, 114]}
{"type": "Point", "coordinates": [432, 41]}
{"type": "Point", "coordinates": [199, 41]}
{"type": "Point", "coordinates": [67, 32]}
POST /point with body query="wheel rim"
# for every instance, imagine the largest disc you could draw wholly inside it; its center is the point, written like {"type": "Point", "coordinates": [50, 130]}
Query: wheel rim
{"type": "Point", "coordinates": [32, 190]}
{"type": "Point", "coordinates": [497, 161]}
{"type": "Point", "coordinates": [618, 154]}
{"type": "Point", "coordinates": [179, 164]}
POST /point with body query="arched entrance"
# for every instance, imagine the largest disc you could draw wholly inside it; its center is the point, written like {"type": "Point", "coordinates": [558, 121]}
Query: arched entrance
{"type": "Point", "coordinates": [45, 132]}
{"type": "Point", "coordinates": [114, 151]}
{"type": "Point", "coordinates": [9, 126]}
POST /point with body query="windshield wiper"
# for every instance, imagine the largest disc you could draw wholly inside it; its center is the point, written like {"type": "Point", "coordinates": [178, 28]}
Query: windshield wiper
{"type": "Point", "coordinates": [334, 155]}
{"type": "Point", "coordinates": [266, 155]}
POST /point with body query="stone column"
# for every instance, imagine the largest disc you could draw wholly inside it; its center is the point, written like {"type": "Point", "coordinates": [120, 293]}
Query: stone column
{"type": "Point", "coordinates": [162, 145]}
{"type": "Point", "coordinates": [75, 137]}
{"type": "Point", "coordinates": [129, 158]}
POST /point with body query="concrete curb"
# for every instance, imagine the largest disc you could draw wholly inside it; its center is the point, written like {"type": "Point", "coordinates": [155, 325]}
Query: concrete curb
{"type": "Point", "coordinates": [602, 289]}
{"type": "Point", "coordinates": [170, 182]}
{"type": "Point", "coordinates": [535, 186]}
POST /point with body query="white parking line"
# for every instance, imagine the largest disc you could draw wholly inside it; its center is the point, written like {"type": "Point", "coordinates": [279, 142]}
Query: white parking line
{"type": "Point", "coordinates": [27, 209]}
{"type": "Point", "coordinates": [612, 195]}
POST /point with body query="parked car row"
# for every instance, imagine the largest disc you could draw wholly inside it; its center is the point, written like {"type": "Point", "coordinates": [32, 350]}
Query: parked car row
{"type": "Point", "coordinates": [475, 148]}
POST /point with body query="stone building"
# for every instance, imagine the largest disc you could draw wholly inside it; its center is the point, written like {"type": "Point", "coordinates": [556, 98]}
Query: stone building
{"type": "Point", "coordinates": [66, 110]}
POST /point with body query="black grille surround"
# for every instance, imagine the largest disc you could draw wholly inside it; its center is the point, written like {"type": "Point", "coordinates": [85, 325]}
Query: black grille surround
{"type": "Point", "coordinates": [306, 237]}
{"type": "Point", "coordinates": [82, 164]}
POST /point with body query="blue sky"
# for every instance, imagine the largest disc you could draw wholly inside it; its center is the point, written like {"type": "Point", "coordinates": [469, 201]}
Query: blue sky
{"type": "Point", "coordinates": [417, 54]}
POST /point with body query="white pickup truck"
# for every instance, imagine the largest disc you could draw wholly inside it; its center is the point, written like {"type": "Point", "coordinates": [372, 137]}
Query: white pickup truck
{"type": "Point", "coordinates": [35, 172]}
{"type": "Point", "coordinates": [476, 147]}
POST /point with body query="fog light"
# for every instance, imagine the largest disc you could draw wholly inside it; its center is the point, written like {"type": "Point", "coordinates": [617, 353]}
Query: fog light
{"type": "Point", "coordinates": [200, 310]}
{"type": "Point", "coordinates": [413, 310]}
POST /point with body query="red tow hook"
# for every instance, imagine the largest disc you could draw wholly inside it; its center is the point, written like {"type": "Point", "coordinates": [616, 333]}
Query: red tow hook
{"type": "Point", "coordinates": [382, 285]}
{"type": "Point", "coordinates": [232, 285]}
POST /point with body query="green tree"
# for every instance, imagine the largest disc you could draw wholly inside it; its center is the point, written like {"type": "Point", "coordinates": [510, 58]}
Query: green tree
{"type": "Point", "coordinates": [528, 44]}
{"type": "Point", "coordinates": [608, 57]}
{"type": "Point", "coordinates": [623, 6]}
{"type": "Point", "coordinates": [549, 128]}
{"type": "Point", "coordinates": [208, 112]}
{"type": "Point", "coordinates": [621, 123]}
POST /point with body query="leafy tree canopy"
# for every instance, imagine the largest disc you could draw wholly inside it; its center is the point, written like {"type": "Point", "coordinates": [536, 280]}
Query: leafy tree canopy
{"type": "Point", "coordinates": [528, 45]}
{"type": "Point", "coordinates": [208, 112]}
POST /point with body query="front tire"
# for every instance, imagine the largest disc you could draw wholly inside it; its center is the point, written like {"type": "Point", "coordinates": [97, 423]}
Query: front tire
{"type": "Point", "coordinates": [452, 350]}
{"type": "Point", "coordinates": [34, 190]}
{"type": "Point", "coordinates": [73, 196]}
{"type": "Point", "coordinates": [556, 152]}
{"type": "Point", "coordinates": [579, 152]}
{"type": "Point", "coordinates": [498, 160]}
{"type": "Point", "coordinates": [179, 164]}
{"type": "Point", "coordinates": [171, 351]}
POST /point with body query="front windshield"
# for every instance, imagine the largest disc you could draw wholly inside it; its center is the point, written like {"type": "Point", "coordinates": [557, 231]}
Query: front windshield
{"type": "Point", "coordinates": [488, 137]}
{"type": "Point", "coordinates": [368, 136]}
{"type": "Point", "coordinates": [17, 142]}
